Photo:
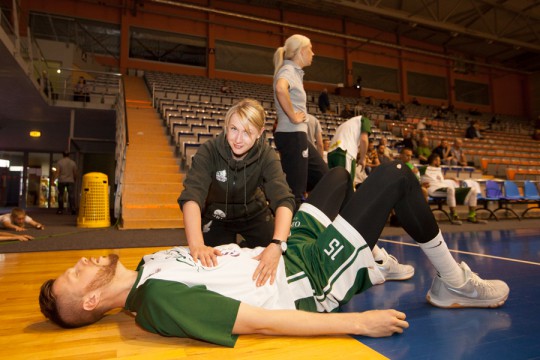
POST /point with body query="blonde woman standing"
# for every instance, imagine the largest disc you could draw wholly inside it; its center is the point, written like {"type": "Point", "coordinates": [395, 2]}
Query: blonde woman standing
{"type": "Point", "coordinates": [301, 161]}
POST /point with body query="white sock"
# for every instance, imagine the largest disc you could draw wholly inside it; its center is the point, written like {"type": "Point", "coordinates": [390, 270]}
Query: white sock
{"type": "Point", "coordinates": [438, 254]}
{"type": "Point", "coordinates": [378, 255]}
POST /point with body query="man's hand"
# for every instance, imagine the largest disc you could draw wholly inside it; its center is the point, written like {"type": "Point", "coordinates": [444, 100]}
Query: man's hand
{"type": "Point", "coordinates": [379, 323]}
{"type": "Point", "coordinates": [23, 237]}
{"type": "Point", "coordinates": [206, 254]}
{"type": "Point", "coordinates": [18, 228]}
{"type": "Point", "coordinates": [268, 263]}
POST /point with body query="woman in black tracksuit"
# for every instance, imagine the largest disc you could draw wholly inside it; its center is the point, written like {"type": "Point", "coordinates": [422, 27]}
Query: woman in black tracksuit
{"type": "Point", "coordinates": [236, 186]}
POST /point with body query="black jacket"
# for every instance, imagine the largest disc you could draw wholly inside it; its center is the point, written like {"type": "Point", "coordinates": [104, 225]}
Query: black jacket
{"type": "Point", "coordinates": [229, 189]}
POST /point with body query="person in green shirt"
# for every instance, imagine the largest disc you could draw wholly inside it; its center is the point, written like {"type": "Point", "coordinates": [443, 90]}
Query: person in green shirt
{"type": "Point", "coordinates": [327, 261]}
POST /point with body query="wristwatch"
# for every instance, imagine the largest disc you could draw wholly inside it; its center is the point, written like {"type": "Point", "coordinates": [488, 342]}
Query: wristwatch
{"type": "Point", "coordinates": [282, 244]}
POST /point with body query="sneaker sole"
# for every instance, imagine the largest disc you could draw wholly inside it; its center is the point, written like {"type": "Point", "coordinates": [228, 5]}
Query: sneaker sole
{"type": "Point", "coordinates": [401, 278]}
{"type": "Point", "coordinates": [455, 305]}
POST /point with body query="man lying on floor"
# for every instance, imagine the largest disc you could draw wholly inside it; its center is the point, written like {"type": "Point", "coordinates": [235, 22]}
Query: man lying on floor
{"type": "Point", "coordinates": [327, 262]}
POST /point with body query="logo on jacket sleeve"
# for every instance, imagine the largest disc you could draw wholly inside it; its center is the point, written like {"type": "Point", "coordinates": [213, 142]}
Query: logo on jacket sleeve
{"type": "Point", "coordinates": [221, 175]}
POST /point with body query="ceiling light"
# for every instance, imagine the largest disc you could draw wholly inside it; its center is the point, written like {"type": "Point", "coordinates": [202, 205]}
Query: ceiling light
{"type": "Point", "coordinates": [35, 133]}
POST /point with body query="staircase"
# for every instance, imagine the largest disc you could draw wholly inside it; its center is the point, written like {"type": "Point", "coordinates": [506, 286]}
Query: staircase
{"type": "Point", "coordinates": [152, 178]}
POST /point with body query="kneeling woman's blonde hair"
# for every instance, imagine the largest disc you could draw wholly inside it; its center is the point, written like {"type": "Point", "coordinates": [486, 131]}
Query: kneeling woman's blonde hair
{"type": "Point", "coordinates": [250, 112]}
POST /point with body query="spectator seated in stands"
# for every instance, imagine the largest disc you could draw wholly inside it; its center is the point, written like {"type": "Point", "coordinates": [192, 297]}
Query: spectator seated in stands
{"type": "Point", "coordinates": [409, 140]}
{"type": "Point", "coordinates": [347, 112]}
{"type": "Point", "coordinates": [458, 153]}
{"type": "Point", "coordinates": [358, 108]}
{"type": "Point", "coordinates": [382, 155]}
{"type": "Point", "coordinates": [473, 131]}
{"type": "Point", "coordinates": [406, 155]}
{"type": "Point", "coordinates": [423, 124]}
{"type": "Point", "coordinates": [226, 88]}
{"type": "Point", "coordinates": [438, 187]}
{"type": "Point", "coordinates": [444, 152]}
{"type": "Point", "coordinates": [423, 151]}
{"type": "Point", "coordinates": [387, 151]}
{"type": "Point", "coordinates": [17, 220]}
{"type": "Point", "coordinates": [372, 159]}
{"type": "Point", "coordinates": [415, 101]}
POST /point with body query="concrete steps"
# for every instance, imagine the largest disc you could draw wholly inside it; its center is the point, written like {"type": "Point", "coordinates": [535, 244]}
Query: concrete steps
{"type": "Point", "coordinates": [152, 178]}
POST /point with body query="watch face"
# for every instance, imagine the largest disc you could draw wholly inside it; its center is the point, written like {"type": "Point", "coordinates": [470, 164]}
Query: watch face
{"type": "Point", "coordinates": [283, 246]}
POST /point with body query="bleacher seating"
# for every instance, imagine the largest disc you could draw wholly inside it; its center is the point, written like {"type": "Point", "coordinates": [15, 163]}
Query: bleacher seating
{"type": "Point", "coordinates": [506, 151]}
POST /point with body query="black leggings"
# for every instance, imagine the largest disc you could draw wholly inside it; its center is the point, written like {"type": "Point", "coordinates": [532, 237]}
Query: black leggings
{"type": "Point", "coordinates": [392, 186]}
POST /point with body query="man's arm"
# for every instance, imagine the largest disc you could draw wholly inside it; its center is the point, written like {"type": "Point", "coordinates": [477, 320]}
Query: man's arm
{"type": "Point", "coordinates": [10, 226]}
{"type": "Point", "coordinates": [35, 224]}
{"type": "Point", "coordinates": [373, 323]}
{"type": "Point", "coordinates": [4, 236]}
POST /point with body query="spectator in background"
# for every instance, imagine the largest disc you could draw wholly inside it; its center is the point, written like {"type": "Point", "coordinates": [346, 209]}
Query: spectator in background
{"type": "Point", "coordinates": [387, 151]}
{"type": "Point", "coordinates": [473, 131]}
{"type": "Point", "coordinates": [444, 152]}
{"type": "Point", "coordinates": [326, 146]}
{"type": "Point", "coordinates": [45, 84]}
{"type": "Point", "coordinates": [347, 112]}
{"type": "Point", "coordinates": [66, 173]}
{"type": "Point", "coordinates": [458, 153]}
{"type": "Point", "coordinates": [409, 140]}
{"type": "Point", "coordinates": [350, 141]}
{"type": "Point", "coordinates": [226, 88]}
{"type": "Point", "coordinates": [314, 133]}
{"type": "Point", "coordinates": [381, 154]}
{"type": "Point", "coordinates": [358, 108]}
{"type": "Point", "coordinates": [372, 159]}
{"type": "Point", "coordinates": [17, 220]}
{"type": "Point", "coordinates": [438, 186]}
{"type": "Point", "coordinates": [406, 155]}
{"type": "Point", "coordinates": [423, 151]}
{"type": "Point", "coordinates": [80, 93]}
{"type": "Point", "coordinates": [324, 101]}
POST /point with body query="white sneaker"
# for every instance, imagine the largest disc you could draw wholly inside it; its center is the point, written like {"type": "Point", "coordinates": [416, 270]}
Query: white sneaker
{"type": "Point", "coordinates": [474, 293]}
{"type": "Point", "coordinates": [393, 270]}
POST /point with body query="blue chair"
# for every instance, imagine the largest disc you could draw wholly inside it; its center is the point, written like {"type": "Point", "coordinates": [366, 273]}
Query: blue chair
{"type": "Point", "coordinates": [493, 193]}
{"type": "Point", "coordinates": [492, 188]}
{"type": "Point", "coordinates": [439, 202]}
{"type": "Point", "coordinates": [530, 196]}
{"type": "Point", "coordinates": [511, 195]}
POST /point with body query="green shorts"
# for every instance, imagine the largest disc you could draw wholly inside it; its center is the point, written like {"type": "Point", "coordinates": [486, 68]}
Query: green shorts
{"type": "Point", "coordinates": [339, 157]}
{"type": "Point", "coordinates": [327, 263]}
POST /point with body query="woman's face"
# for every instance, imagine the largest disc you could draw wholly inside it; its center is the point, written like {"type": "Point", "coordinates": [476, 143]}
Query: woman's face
{"type": "Point", "coordinates": [306, 54]}
{"type": "Point", "coordinates": [241, 139]}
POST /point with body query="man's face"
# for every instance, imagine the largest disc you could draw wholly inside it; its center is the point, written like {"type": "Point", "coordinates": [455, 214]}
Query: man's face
{"type": "Point", "coordinates": [18, 219]}
{"type": "Point", "coordinates": [406, 156]}
{"type": "Point", "coordinates": [88, 274]}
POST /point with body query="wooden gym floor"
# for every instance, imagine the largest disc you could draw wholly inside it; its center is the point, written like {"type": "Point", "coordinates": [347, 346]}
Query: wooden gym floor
{"type": "Point", "coordinates": [509, 332]}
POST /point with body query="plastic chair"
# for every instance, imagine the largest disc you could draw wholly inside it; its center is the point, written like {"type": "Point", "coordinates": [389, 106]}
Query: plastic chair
{"type": "Point", "coordinates": [530, 195]}
{"type": "Point", "coordinates": [511, 194]}
{"type": "Point", "coordinates": [484, 199]}
{"type": "Point", "coordinates": [439, 201]}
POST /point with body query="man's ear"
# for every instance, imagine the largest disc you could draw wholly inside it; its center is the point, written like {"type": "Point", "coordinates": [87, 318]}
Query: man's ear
{"type": "Point", "coordinates": [91, 301]}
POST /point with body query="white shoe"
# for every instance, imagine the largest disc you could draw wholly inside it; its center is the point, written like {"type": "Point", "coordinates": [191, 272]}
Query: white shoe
{"type": "Point", "coordinates": [474, 293]}
{"type": "Point", "coordinates": [393, 270]}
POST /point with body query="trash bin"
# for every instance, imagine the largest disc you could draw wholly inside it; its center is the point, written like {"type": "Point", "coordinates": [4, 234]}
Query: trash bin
{"type": "Point", "coordinates": [94, 203]}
